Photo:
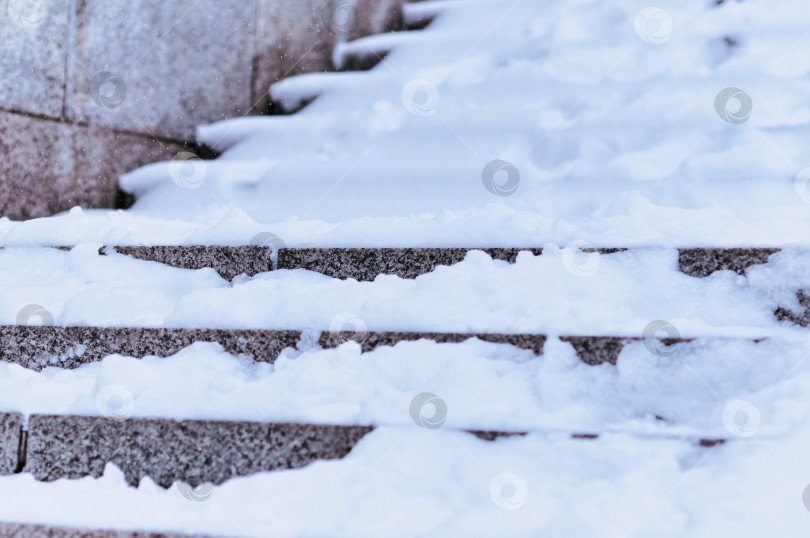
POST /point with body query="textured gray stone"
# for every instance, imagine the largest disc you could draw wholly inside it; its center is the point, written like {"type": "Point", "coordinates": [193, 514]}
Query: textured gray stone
{"type": "Point", "coordinates": [36, 348]}
{"type": "Point", "coordinates": [126, 83]}
{"type": "Point", "coordinates": [49, 166]}
{"type": "Point", "coordinates": [33, 170]}
{"type": "Point", "coordinates": [596, 350]}
{"type": "Point", "coordinates": [32, 56]}
{"type": "Point", "coordinates": [370, 341]}
{"type": "Point", "coordinates": [100, 156]}
{"type": "Point", "coordinates": [70, 347]}
{"type": "Point", "coordinates": [227, 261]}
{"type": "Point", "coordinates": [702, 262]}
{"type": "Point", "coordinates": [178, 64]}
{"type": "Point", "coordinates": [10, 431]}
{"type": "Point", "coordinates": [801, 318]}
{"type": "Point", "coordinates": [364, 264]}
{"type": "Point", "coordinates": [19, 530]}
{"type": "Point", "coordinates": [194, 452]}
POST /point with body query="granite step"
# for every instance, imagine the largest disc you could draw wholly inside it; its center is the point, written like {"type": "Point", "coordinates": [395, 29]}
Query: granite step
{"type": "Point", "coordinates": [365, 264]}
{"type": "Point", "coordinates": [40, 347]}
{"type": "Point", "coordinates": [197, 452]}
{"type": "Point", "coordinates": [22, 530]}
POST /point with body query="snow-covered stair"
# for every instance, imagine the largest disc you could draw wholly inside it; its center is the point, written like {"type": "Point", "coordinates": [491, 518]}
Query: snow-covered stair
{"type": "Point", "coordinates": [365, 264]}
{"type": "Point", "coordinates": [523, 273]}
{"type": "Point", "coordinates": [18, 530]}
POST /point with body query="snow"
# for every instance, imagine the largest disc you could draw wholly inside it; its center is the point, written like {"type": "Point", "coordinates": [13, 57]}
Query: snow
{"type": "Point", "coordinates": [615, 121]}
{"type": "Point", "coordinates": [485, 386]}
{"type": "Point", "coordinates": [608, 100]}
{"type": "Point", "coordinates": [413, 482]}
{"type": "Point", "coordinates": [561, 292]}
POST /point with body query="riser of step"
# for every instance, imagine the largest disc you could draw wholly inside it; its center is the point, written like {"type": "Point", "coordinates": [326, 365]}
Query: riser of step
{"type": "Point", "coordinates": [17, 530]}
{"type": "Point", "coordinates": [194, 452]}
{"type": "Point", "coordinates": [11, 425]}
{"type": "Point", "coordinates": [36, 348]}
{"type": "Point", "coordinates": [372, 340]}
{"type": "Point", "coordinates": [365, 264]}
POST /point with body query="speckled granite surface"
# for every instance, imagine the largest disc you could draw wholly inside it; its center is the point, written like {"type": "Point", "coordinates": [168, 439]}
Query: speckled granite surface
{"type": "Point", "coordinates": [10, 428]}
{"type": "Point", "coordinates": [227, 261]}
{"type": "Point", "coordinates": [364, 264]}
{"type": "Point", "coordinates": [70, 347]}
{"type": "Point", "coordinates": [194, 452]}
{"type": "Point", "coordinates": [16, 530]}
{"type": "Point", "coordinates": [801, 318]}
{"type": "Point", "coordinates": [702, 262]}
{"type": "Point", "coordinates": [596, 350]}
{"type": "Point", "coordinates": [372, 340]}
{"type": "Point", "coordinates": [36, 348]}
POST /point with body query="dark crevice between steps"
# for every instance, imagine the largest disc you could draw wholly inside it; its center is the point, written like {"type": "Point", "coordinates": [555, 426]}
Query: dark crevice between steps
{"type": "Point", "coordinates": [22, 451]}
{"type": "Point", "coordinates": [123, 199]}
{"type": "Point", "coordinates": [276, 108]}
{"type": "Point", "coordinates": [419, 24]}
{"type": "Point", "coordinates": [492, 435]}
{"type": "Point", "coordinates": [710, 443]}
{"type": "Point", "coordinates": [363, 62]}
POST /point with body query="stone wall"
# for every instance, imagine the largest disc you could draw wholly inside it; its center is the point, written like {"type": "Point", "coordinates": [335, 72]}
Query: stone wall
{"type": "Point", "coordinates": [90, 89]}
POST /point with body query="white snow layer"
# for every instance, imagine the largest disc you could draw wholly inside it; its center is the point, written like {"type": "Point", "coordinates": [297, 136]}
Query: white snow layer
{"type": "Point", "coordinates": [611, 119]}
{"type": "Point", "coordinates": [559, 292]}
